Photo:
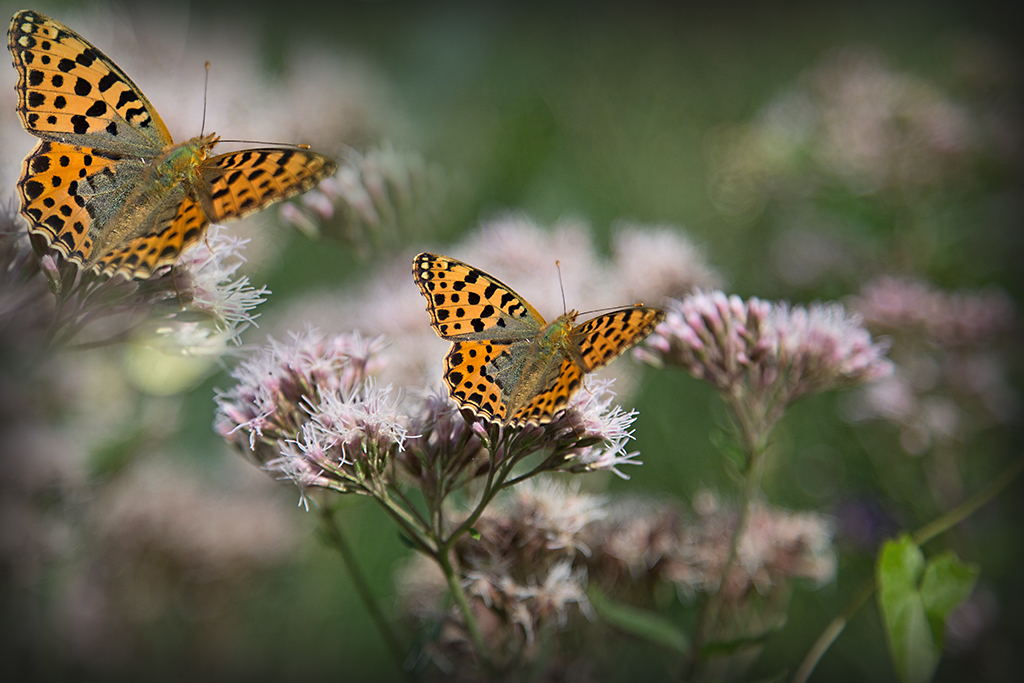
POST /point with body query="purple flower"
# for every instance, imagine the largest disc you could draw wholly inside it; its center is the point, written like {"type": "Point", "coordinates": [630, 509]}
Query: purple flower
{"type": "Point", "coordinates": [951, 378]}
{"type": "Point", "coordinates": [347, 442]}
{"type": "Point", "coordinates": [765, 355]}
{"type": "Point", "coordinates": [950, 319]}
{"type": "Point", "coordinates": [277, 387]}
{"type": "Point", "coordinates": [207, 274]}
{"type": "Point", "coordinates": [371, 201]}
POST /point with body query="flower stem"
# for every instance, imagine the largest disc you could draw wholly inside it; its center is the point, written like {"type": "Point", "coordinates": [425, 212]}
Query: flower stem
{"type": "Point", "coordinates": [467, 612]}
{"type": "Point", "coordinates": [496, 476]}
{"type": "Point", "coordinates": [969, 506]}
{"type": "Point", "coordinates": [713, 607]}
{"type": "Point", "coordinates": [921, 536]}
{"type": "Point", "coordinates": [334, 534]}
{"type": "Point", "coordinates": [832, 631]}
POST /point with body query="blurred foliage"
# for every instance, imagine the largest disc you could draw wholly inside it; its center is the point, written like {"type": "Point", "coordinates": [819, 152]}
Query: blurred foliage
{"type": "Point", "coordinates": [610, 112]}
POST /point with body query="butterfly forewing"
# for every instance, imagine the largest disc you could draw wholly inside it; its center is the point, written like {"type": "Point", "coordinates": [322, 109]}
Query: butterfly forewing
{"type": "Point", "coordinates": [467, 303]}
{"type": "Point", "coordinates": [607, 336]}
{"type": "Point", "coordinates": [70, 91]}
{"type": "Point", "coordinates": [240, 183]}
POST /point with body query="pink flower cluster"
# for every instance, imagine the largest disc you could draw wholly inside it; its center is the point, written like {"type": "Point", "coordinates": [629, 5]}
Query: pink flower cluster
{"type": "Point", "coordinates": [768, 353]}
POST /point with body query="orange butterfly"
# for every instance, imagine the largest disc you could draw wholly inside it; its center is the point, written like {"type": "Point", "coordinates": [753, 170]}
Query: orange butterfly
{"type": "Point", "coordinates": [506, 364]}
{"type": "Point", "coordinates": [106, 186]}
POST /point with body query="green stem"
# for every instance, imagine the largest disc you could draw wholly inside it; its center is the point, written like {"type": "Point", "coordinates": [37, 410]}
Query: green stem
{"type": "Point", "coordinates": [754, 436]}
{"type": "Point", "coordinates": [713, 607]}
{"type": "Point", "coordinates": [920, 537]}
{"type": "Point", "coordinates": [496, 476]}
{"type": "Point", "coordinates": [969, 506]}
{"type": "Point", "coordinates": [406, 504]}
{"type": "Point", "coordinates": [467, 613]}
{"type": "Point", "coordinates": [333, 532]}
{"type": "Point", "coordinates": [406, 520]}
{"type": "Point", "coordinates": [832, 631]}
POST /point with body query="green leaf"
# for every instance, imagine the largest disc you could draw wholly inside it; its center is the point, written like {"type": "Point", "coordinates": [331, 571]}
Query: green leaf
{"type": "Point", "coordinates": [911, 643]}
{"type": "Point", "coordinates": [915, 599]}
{"type": "Point", "coordinates": [641, 623]}
{"type": "Point", "coordinates": [947, 583]}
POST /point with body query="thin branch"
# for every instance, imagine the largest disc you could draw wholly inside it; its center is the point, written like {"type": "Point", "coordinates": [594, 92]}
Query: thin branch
{"type": "Point", "coordinates": [921, 536]}
{"type": "Point", "coordinates": [334, 534]}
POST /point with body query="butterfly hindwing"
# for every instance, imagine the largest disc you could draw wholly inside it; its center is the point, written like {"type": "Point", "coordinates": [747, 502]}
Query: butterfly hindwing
{"type": "Point", "coordinates": [545, 405]}
{"type": "Point", "coordinates": [240, 183]}
{"type": "Point", "coordinates": [469, 378]}
{"type": "Point", "coordinates": [55, 201]}
{"type": "Point", "coordinates": [607, 336]}
{"type": "Point", "coordinates": [144, 256]}
{"type": "Point", "coordinates": [466, 303]}
{"type": "Point", "coordinates": [68, 90]}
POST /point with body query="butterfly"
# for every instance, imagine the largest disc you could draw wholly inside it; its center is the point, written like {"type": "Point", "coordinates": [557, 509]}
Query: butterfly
{"type": "Point", "coordinates": [506, 364]}
{"type": "Point", "coordinates": [106, 186]}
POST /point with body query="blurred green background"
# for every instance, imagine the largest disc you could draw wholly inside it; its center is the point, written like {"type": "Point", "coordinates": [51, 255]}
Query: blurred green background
{"type": "Point", "coordinates": [609, 112]}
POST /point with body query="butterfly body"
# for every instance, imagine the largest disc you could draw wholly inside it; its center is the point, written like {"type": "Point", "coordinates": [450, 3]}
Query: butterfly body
{"type": "Point", "coordinates": [140, 197]}
{"type": "Point", "coordinates": [107, 186]}
{"type": "Point", "coordinates": [529, 365]}
{"type": "Point", "coordinates": [506, 363]}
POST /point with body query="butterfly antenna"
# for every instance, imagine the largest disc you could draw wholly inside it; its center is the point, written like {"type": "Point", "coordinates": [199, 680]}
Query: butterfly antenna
{"type": "Point", "coordinates": [206, 90]}
{"type": "Point", "coordinates": [265, 142]}
{"type": "Point", "coordinates": [202, 129]}
{"type": "Point", "coordinates": [639, 304]}
{"type": "Point", "coordinates": [558, 267]}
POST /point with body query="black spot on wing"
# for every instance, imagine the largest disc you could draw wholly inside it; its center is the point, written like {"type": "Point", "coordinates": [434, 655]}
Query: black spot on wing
{"type": "Point", "coordinates": [105, 83]}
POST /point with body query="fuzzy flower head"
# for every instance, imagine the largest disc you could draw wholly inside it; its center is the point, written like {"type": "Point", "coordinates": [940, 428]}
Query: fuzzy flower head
{"type": "Point", "coordinates": [593, 431]}
{"type": "Point", "coordinates": [210, 280]}
{"type": "Point", "coordinates": [520, 569]}
{"type": "Point", "coordinates": [211, 309]}
{"type": "Point", "coordinates": [520, 619]}
{"type": "Point", "coordinates": [440, 443]}
{"type": "Point", "coordinates": [764, 355]}
{"type": "Point", "coordinates": [198, 308]}
{"type": "Point", "coordinates": [777, 546]}
{"type": "Point", "coordinates": [279, 386]}
{"type": "Point", "coordinates": [550, 514]}
{"type": "Point", "coordinates": [951, 350]}
{"type": "Point", "coordinates": [532, 529]}
{"type": "Point", "coordinates": [347, 442]}
{"type": "Point", "coordinates": [642, 543]}
{"type": "Point", "coordinates": [947, 319]}
{"type": "Point", "coordinates": [857, 123]}
{"type": "Point", "coordinates": [654, 262]}
{"type": "Point", "coordinates": [590, 435]}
